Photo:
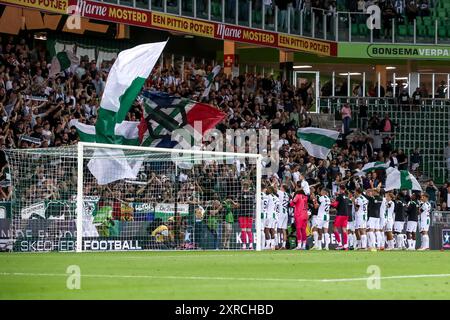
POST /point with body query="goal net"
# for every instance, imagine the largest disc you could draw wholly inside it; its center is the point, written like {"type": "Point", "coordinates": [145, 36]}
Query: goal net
{"type": "Point", "coordinates": [94, 197]}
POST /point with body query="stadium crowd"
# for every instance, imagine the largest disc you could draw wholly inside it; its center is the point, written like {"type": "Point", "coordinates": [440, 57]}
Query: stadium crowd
{"type": "Point", "coordinates": [36, 111]}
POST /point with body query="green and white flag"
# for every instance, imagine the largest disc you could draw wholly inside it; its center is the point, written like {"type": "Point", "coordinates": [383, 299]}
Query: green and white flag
{"type": "Point", "coordinates": [401, 179]}
{"type": "Point", "coordinates": [62, 61]}
{"type": "Point", "coordinates": [125, 80]}
{"type": "Point", "coordinates": [318, 142]}
{"type": "Point", "coordinates": [372, 166]}
{"type": "Point", "coordinates": [127, 131]}
{"type": "Point", "coordinates": [209, 80]}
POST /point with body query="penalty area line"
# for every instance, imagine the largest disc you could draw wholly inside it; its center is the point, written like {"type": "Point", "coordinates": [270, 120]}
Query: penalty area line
{"type": "Point", "coordinates": [113, 276]}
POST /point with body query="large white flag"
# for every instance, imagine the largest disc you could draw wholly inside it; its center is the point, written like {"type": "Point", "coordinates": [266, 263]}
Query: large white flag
{"type": "Point", "coordinates": [318, 142]}
{"type": "Point", "coordinates": [125, 80]}
{"type": "Point", "coordinates": [401, 179]}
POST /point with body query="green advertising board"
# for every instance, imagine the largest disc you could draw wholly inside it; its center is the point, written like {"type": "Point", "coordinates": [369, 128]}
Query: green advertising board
{"type": "Point", "coordinates": [393, 51]}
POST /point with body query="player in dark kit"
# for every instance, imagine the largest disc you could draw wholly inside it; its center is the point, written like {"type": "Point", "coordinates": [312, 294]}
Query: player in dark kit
{"type": "Point", "coordinates": [412, 212]}
{"type": "Point", "coordinates": [399, 222]}
{"type": "Point", "coordinates": [373, 224]}
{"type": "Point", "coordinates": [340, 223]}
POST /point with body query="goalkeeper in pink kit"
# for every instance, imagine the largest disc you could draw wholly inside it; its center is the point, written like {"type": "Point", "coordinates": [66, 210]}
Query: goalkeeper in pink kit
{"type": "Point", "coordinates": [300, 204]}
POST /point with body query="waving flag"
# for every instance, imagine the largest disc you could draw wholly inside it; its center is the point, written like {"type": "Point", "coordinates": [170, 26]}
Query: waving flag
{"type": "Point", "coordinates": [127, 131]}
{"type": "Point", "coordinates": [163, 114]}
{"type": "Point", "coordinates": [125, 81]}
{"type": "Point", "coordinates": [62, 61]}
{"type": "Point", "coordinates": [401, 179]}
{"type": "Point", "coordinates": [318, 142]}
{"type": "Point", "coordinates": [372, 166]}
{"type": "Point", "coordinates": [209, 80]}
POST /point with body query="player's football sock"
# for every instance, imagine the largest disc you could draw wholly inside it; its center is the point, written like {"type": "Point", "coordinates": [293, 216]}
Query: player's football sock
{"type": "Point", "coordinates": [364, 241]}
{"type": "Point", "coordinates": [410, 243]}
{"type": "Point", "coordinates": [391, 244]}
{"type": "Point", "coordinates": [358, 243]}
{"type": "Point", "coordinates": [370, 239]}
{"type": "Point", "coordinates": [316, 238]}
{"type": "Point", "coordinates": [267, 243]}
{"type": "Point", "coordinates": [380, 239]}
{"type": "Point", "coordinates": [327, 240]}
{"type": "Point", "coordinates": [399, 241]}
{"type": "Point", "coordinates": [304, 245]}
{"type": "Point", "coordinates": [425, 241]}
{"type": "Point", "coordinates": [345, 239]}
{"type": "Point", "coordinates": [337, 236]}
{"type": "Point", "coordinates": [250, 238]}
{"type": "Point", "coordinates": [283, 244]}
{"type": "Point", "coordinates": [273, 243]}
{"type": "Point", "coordinates": [244, 236]}
{"type": "Point", "coordinates": [414, 244]}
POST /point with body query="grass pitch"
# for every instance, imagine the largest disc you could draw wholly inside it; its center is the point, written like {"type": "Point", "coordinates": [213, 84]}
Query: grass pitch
{"type": "Point", "coordinates": [226, 275]}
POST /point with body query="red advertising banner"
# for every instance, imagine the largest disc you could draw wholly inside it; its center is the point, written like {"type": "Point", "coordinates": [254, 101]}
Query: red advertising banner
{"type": "Point", "coordinates": [247, 35]}
{"type": "Point", "coordinates": [112, 13]}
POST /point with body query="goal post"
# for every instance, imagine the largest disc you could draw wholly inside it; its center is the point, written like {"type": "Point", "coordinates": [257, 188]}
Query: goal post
{"type": "Point", "coordinates": [101, 197]}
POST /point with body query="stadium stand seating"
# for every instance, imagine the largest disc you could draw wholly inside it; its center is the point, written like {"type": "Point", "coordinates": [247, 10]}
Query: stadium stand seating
{"type": "Point", "coordinates": [425, 127]}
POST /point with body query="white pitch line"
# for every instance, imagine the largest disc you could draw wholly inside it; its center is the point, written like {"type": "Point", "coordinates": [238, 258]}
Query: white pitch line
{"type": "Point", "coordinates": [414, 276]}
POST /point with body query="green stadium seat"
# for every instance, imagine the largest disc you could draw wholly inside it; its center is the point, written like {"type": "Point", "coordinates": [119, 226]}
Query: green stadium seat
{"type": "Point", "coordinates": [355, 30]}
{"type": "Point", "coordinates": [431, 31]}
{"type": "Point", "coordinates": [402, 31]}
{"type": "Point", "coordinates": [421, 31]}
{"type": "Point", "coordinates": [363, 30]}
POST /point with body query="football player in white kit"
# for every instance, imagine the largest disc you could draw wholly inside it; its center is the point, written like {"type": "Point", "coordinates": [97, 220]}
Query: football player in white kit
{"type": "Point", "coordinates": [424, 221]}
{"type": "Point", "coordinates": [351, 224]}
{"type": "Point", "coordinates": [390, 207]}
{"type": "Point", "coordinates": [361, 204]}
{"type": "Point", "coordinates": [264, 208]}
{"type": "Point", "coordinates": [271, 218]}
{"type": "Point", "coordinates": [323, 220]}
{"type": "Point", "coordinates": [282, 222]}
{"type": "Point", "coordinates": [381, 237]}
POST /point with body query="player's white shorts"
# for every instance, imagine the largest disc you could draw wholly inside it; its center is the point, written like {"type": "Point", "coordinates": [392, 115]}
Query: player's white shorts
{"type": "Point", "coordinates": [398, 226]}
{"type": "Point", "coordinates": [360, 222]}
{"type": "Point", "coordinates": [424, 225]}
{"type": "Point", "coordinates": [382, 223]}
{"type": "Point", "coordinates": [389, 225]}
{"type": "Point", "coordinates": [282, 221]}
{"type": "Point", "coordinates": [323, 221]}
{"type": "Point", "coordinates": [270, 223]}
{"type": "Point", "coordinates": [351, 226]}
{"type": "Point", "coordinates": [411, 226]}
{"type": "Point", "coordinates": [373, 223]}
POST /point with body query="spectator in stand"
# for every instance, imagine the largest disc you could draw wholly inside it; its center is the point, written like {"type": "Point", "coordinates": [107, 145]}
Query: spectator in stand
{"type": "Point", "coordinates": [424, 8]}
{"type": "Point", "coordinates": [402, 160]}
{"type": "Point", "coordinates": [415, 159]}
{"type": "Point", "coordinates": [386, 147]}
{"type": "Point", "coordinates": [346, 113]}
{"type": "Point", "coordinates": [417, 97]}
{"type": "Point", "coordinates": [412, 10]}
{"type": "Point", "coordinates": [403, 99]}
{"type": "Point", "coordinates": [386, 124]}
{"type": "Point", "coordinates": [441, 90]}
{"type": "Point", "coordinates": [432, 191]}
